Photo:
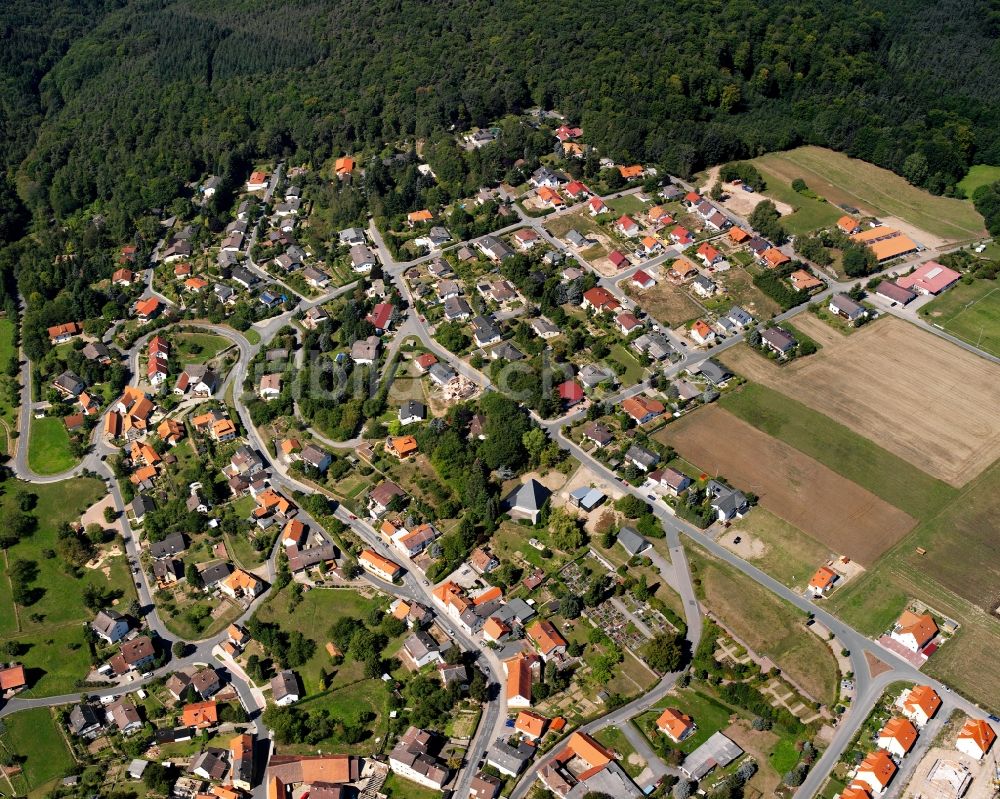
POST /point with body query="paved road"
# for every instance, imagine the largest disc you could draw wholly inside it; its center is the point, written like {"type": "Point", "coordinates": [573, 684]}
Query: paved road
{"type": "Point", "coordinates": [675, 571]}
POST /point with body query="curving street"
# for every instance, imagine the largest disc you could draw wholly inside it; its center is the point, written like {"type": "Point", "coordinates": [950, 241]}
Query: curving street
{"type": "Point", "coordinates": [413, 587]}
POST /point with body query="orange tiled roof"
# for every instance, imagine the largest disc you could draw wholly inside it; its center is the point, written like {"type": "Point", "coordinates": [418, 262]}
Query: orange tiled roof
{"type": "Point", "coordinates": [420, 216]}
{"type": "Point", "coordinates": [518, 678]}
{"type": "Point", "coordinates": [922, 627]}
{"type": "Point", "coordinates": [979, 732]}
{"type": "Point", "coordinates": [344, 165]}
{"type": "Point", "coordinates": [530, 724]}
{"type": "Point", "coordinates": [674, 722]}
{"type": "Point", "coordinates": [199, 714]}
{"type": "Point", "coordinates": [880, 765]}
{"type": "Point", "coordinates": [901, 731]}
{"type": "Point", "coordinates": [404, 445]}
{"type": "Point", "coordinates": [823, 578]}
{"type": "Point", "coordinates": [545, 636]}
{"type": "Point", "coordinates": [629, 172]}
{"type": "Point", "coordinates": [923, 697]}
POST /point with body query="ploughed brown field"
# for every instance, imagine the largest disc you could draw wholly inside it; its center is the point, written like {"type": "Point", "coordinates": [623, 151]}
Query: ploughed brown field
{"type": "Point", "coordinates": [838, 513]}
{"type": "Point", "coordinates": [912, 393]}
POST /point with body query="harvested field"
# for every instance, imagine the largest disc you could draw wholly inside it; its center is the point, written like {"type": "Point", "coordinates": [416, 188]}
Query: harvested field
{"type": "Point", "coordinates": [666, 303]}
{"type": "Point", "coordinates": [831, 509]}
{"type": "Point", "coordinates": [843, 180]}
{"type": "Point", "coordinates": [916, 395]}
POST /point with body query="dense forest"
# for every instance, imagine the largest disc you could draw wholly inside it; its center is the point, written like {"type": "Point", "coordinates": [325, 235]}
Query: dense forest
{"type": "Point", "coordinates": [110, 106]}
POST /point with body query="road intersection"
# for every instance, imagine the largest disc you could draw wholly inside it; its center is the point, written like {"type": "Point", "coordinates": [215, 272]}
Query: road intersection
{"type": "Point", "coordinates": [413, 587]}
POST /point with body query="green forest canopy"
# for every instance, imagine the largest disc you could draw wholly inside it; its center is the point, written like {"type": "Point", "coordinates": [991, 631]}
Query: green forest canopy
{"type": "Point", "coordinates": [111, 105]}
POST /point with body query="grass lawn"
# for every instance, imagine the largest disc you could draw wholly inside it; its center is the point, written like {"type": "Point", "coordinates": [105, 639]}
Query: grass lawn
{"type": "Point", "coordinates": [252, 336]}
{"type": "Point", "coordinates": [8, 411]}
{"type": "Point", "coordinates": [840, 449]}
{"type": "Point", "coordinates": [957, 577]}
{"type": "Point", "coordinates": [634, 371]}
{"type": "Point", "coordinates": [198, 347]}
{"type": "Point", "coordinates": [784, 757]}
{"type": "Point", "coordinates": [809, 213]}
{"type": "Point", "coordinates": [397, 787]}
{"type": "Point", "coordinates": [34, 734]}
{"type": "Point", "coordinates": [48, 447]}
{"type": "Point", "coordinates": [769, 625]}
{"type": "Point", "coordinates": [317, 612]}
{"type": "Point", "coordinates": [583, 222]}
{"type": "Point", "coordinates": [629, 204]}
{"type": "Point", "coordinates": [978, 175]}
{"type": "Point", "coordinates": [970, 311]}
{"type": "Point", "coordinates": [615, 740]}
{"type": "Point", "coordinates": [791, 556]}
{"type": "Point", "coordinates": [350, 696]}
{"type": "Point", "coordinates": [241, 550]}
{"type": "Point", "coordinates": [709, 714]}
{"type": "Point", "coordinates": [841, 179]}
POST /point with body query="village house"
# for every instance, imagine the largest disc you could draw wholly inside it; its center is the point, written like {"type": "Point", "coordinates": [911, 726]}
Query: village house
{"type": "Point", "coordinates": [375, 564]}
{"type": "Point", "coordinates": [778, 340]}
{"type": "Point", "coordinates": [641, 458]}
{"type": "Point", "coordinates": [643, 409]}
{"type": "Point", "coordinates": [897, 737]}
{"type": "Point", "coordinates": [975, 739]}
{"type": "Point", "coordinates": [919, 704]}
{"type": "Point", "coordinates": [701, 333]}
{"type": "Point", "coordinates": [914, 631]}
{"type": "Point", "coordinates": [599, 299]}
{"type": "Point", "coordinates": [822, 582]}
{"type": "Point", "coordinates": [413, 757]}
{"type": "Point", "coordinates": [285, 688]}
{"type": "Point", "coordinates": [675, 725]}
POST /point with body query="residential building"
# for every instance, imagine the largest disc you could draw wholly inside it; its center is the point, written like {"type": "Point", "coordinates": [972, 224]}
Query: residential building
{"type": "Point", "coordinates": [285, 688]}
{"type": "Point", "coordinates": [546, 638]}
{"type": "Point", "coordinates": [642, 458]}
{"type": "Point", "coordinates": [975, 739]}
{"type": "Point", "coordinates": [897, 737]}
{"type": "Point", "coordinates": [413, 758]}
{"type": "Point", "coordinates": [919, 704]}
{"type": "Point", "coordinates": [718, 751]}
{"type": "Point", "coordinates": [845, 307]}
{"type": "Point", "coordinates": [375, 564]}
{"type": "Point", "coordinates": [110, 626]}
{"type": "Point", "coordinates": [876, 771]}
{"type": "Point", "coordinates": [892, 292]}
{"type": "Point", "coordinates": [675, 725]}
{"type": "Point", "coordinates": [914, 631]}
{"type": "Point", "coordinates": [821, 583]}
{"type": "Point", "coordinates": [526, 501]}
{"type": "Point", "coordinates": [778, 340]}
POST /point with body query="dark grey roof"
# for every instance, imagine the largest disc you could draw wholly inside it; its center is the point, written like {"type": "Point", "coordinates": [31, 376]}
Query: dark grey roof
{"type": "Point", "coordinates": [284, 683]}
{"type": "Point", "coordinates": [631, 541]}
{"type": "Point", "coordinates": [642, 456]}
{"type": "Point", "coordinates": [412, 408]}
{"type": "Point", "coordinates": [171, 545]}
{"type": "Point", "coordinates": [210, 575]}
{"type": "Point", "coordinates": [529, 496]}
{"type": "Point", "coordinates": [714, 372]}
{"type": "Point", "coordinates": [779, 338]}
{"type": "Point", "coordinates": [142, 504]}
{"type": "Point", "coordinates": [510, 758]}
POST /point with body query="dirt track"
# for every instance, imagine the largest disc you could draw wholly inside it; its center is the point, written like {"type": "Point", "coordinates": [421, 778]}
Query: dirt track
{"type": "Point", "coordinates": [841, 515]}
{"type": "Point", "coordinates": [918, 396]}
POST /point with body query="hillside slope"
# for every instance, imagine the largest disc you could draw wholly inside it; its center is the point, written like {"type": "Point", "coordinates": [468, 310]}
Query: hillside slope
{"type": "Point", "coordinates": [153, 92]}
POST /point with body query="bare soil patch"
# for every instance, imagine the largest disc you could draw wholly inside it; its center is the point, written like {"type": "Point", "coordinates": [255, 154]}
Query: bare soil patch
{"type": "Point", "coordinates": [875, 665]}
{"type": "Point", "coordinates": [738, 201]}
{"type": "Point", "coordinates": [836, 512]}
{"type": "Point", "coordinates": [916, 395]}
{"type": "Point", "coordinates": [666, 303]}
